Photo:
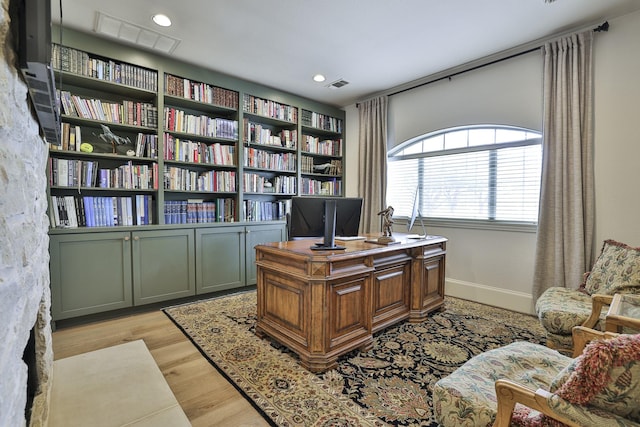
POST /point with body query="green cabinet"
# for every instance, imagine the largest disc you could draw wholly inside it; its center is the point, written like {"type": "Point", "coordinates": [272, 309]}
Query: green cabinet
{"type": "Point", "coordinates": [90, 273]}
{"type": "Point", "coordinates": [257, 235]}
{"type": "Point", "coordinates": [163, 265]}
{"type": "Point", "coordinates": [225, 256]}
{"type": "Point", "coordinates": [102, 271]}
{"type": "Point", "coordinates": [220, 258]}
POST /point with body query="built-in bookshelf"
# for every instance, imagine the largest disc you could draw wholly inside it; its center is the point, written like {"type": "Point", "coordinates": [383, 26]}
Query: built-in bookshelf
{"type": "Point", "coordinates": [105, 171]}
{"type": "Point", "coordinates": [321, 151]}
{"type": "Point", "coordinates": [142, 145]}
{"type": "Point", "coordinates": [270, 159]}
{"type": "Point", "coordinates": [200, 152]}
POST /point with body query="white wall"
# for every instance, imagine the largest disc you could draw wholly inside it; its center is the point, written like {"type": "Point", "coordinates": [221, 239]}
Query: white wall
{"type": "Point", "coordinates": [617, 131]}
{"type": "Point", "coordinates": [508, 92]}
{"type": "Point", "coordinates": [352, 170]}
{"type": "Point", "coordinates": [496, 267]}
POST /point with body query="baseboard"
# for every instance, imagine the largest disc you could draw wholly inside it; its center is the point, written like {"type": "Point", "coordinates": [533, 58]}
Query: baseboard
{"type": "Point", "coordinates": [497, 297]}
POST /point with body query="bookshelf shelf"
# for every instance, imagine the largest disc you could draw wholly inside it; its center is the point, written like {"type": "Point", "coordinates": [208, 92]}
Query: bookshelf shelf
{"type": "Point", "coordinates": [269, 171]}
{"type": "Point", "coordinates": [267, 193]}
{"type": "Point", "coordinates": [199, 105]}
{"type": "Point", "coordinates": [66, 79]}
{"type": "Point", "coordinates": [202, 165]}
{"type": "Point", "coordinates": [274, 121]}
{"type": "Point", "coordinates": [205, 192]}
{"type": "Point", "coordinates": [203, 138]}
{"type": "Point", "coordinates": [97, 156]}
{"type": "Point", "coordinates": [94, 123]}
{"type": "Point", "coordinates": [88, 190]}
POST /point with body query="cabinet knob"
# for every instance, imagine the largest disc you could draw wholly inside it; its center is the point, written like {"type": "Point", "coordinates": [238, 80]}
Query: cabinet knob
{"type": "Point", "coordinates": [248, 231]}
{"type": "Point", "coordinates": [126, 239]}
{"type": "Point", "coordinates": [136, 238]}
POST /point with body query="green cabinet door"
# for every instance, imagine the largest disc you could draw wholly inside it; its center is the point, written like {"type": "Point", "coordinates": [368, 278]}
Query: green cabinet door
{"type": "Point", "coordinates": [90, 273]}
{"type": "Point", "coordinates": [220, 258]}
{"type": "Point", "coordinates": [163, 265]}
{"type": "Point", "coordinates": [257, 235]}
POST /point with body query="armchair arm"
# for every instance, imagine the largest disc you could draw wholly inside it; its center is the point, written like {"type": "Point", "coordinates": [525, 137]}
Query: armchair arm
{"type": "Point", "coordinates": [582, 336]}
{"type": "Point", "coordinates": [509, 393]}
{"type": "Point", "coordinates": [597, 302]}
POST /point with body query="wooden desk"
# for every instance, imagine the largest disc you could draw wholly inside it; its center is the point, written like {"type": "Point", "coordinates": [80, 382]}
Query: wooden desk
{"type": "Point", "coordinates": [623, 312]}
{"type": "Point", "coordinates": [323, 304]}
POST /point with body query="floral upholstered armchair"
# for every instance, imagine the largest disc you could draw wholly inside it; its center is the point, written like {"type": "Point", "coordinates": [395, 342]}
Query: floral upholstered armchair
{"type": "Point", "coordinates": [617, 270]}
{"type": "Point", "coordinates": [525, 384]}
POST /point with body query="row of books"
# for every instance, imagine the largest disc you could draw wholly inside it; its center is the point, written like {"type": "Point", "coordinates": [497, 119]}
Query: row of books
{"type": "Point", "coordinates": [88, 211]}
{"type": "Point", "coordinates": [198, 152]}
{"type": "Point", "coordinates": [197, 211]}
{"type": "Point", "coordinates": [146, 145]}
{"type": "Point", "coordinates": [332, 167]}
{"type": "Point", "coordinates": [201, 92]}
{"type": "Point", "coordinates": [256, 183]}
{"type": "Point", "coordinates": [182, 179]}
{"type": "Point", "coordinates": [71, 137]}
{"type": "Point", "coordinates": [328, 147]}
{"type": "Point", "coordinates": [129, 176]}
{"type": "Point", "coordinates": [332, 187]}
{"type": "Point", "coordinates": [82, 63]}
{"type": "Point", "coordinates": [214, 127]}
{"type": "Point", "coordinates": [72, 173]}
{"type": "Point", "coordinates": [87, 174]}
{"type": "Point", "coordinates": [127, 112]}
{"type": "Point", "coordinates": [256, 133]}
{"type": "Point", "coordinates": [255, 158]}
{"type": "Point", "coordinates": [321, 121]}
{"type": "Point", "coordinates": [258, 210]}
{"type": "Point", "coordinates": [264, 107]}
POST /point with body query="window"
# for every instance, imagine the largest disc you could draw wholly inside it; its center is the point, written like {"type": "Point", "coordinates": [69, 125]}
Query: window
{"type": "Point", "coordinates": [477, 173]}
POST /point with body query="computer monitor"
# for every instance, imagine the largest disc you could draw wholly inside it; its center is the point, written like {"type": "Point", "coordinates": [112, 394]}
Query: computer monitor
{"type": "Point", "coordinates": [307, 217]}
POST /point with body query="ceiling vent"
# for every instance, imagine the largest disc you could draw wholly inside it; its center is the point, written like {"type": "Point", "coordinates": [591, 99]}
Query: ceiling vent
{"type": "Point", "coordinates": [338, 84]}
{"type": "Point", "coordinates": [131, 33]}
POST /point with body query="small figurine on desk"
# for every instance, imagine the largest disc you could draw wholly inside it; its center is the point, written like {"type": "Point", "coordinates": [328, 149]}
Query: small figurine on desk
{"type": "Point", "coordinates": [387, 223]}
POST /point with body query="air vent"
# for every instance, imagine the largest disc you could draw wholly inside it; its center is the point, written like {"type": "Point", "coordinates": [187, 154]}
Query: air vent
{"type": "Point", "coordinates": [337, 84]}
{"type": "Point", "coordinates": [131, 33]}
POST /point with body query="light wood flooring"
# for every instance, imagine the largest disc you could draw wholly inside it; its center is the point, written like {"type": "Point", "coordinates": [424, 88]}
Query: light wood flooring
{"type": "Point", "coordinates": [205, 396]}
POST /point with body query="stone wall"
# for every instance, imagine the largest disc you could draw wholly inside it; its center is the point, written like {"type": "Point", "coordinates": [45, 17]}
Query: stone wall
{"type": "Point", "coordinates": [24, 254]}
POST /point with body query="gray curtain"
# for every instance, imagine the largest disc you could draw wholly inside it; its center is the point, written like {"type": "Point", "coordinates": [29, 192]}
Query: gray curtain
{"type": "Point", "coordinates": [566, 220]}
{"type": "Point", "coordinates": [372, 182]}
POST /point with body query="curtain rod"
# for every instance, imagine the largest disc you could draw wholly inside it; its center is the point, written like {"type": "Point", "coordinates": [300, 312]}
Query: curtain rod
{"type": "Point", "coordinates": [603, 27]}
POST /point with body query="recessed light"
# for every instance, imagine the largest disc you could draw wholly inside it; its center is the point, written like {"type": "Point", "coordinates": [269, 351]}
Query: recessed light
{"type": "Point", "coordinates": [319, 78]}
{"type": "Point", "coordinates": [162, 20]}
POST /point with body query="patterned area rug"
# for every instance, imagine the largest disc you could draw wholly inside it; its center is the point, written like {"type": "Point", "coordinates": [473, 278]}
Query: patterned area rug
{"type": "Point", "coordinates": [388, 385]}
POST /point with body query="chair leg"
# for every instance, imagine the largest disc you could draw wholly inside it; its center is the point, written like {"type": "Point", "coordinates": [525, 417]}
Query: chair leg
{"type": "Point", "coordinates": [506, 404]}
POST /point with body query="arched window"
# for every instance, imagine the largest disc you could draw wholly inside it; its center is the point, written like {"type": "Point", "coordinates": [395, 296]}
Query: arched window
{"type": "Point", "coordinates": [474, 173]}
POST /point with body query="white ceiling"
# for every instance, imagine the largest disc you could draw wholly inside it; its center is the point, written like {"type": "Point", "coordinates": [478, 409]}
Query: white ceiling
{"type": "Point", "coordinates": [373, 44]}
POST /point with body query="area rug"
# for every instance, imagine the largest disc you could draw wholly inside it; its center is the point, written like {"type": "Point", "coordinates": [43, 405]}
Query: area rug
{"type": "Point", "coordinates": [389, 385]}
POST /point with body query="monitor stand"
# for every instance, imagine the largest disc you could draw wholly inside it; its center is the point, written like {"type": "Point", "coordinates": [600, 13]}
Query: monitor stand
{"type": "Point", "coordinates": [329, 242]}
{"type": "Point", "coordinates": [424, 230]}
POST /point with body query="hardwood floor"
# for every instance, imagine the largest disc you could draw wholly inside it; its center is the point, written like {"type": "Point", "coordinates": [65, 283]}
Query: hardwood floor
{"type": "Point", "coordinates": [206, 397]}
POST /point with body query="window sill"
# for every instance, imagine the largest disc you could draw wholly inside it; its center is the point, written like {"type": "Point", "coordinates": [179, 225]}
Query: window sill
{"type": "Point", "coordinates": [513, 226]}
